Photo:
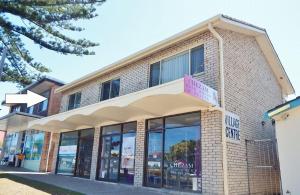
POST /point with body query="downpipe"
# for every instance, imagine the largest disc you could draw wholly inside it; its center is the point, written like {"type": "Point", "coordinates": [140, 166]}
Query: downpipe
{"type": "Point", "coordinates": [222, 107]}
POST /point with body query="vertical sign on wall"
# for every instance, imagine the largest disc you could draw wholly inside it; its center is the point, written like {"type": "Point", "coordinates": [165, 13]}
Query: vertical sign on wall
{"type": "Point", "coordinates": [232, 127]}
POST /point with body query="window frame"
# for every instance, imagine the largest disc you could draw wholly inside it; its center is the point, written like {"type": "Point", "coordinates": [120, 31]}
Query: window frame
{"type": "Point", "coordinates": [189, 51]}
{"type": "Point", "coordinates": [110, 88]}
{"type": "Point", "coordinates": [75, 94]}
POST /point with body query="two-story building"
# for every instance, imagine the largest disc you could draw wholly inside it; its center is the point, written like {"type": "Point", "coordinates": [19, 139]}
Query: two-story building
{"type": "Point", "coordinates": [176, 115]}
{"type": "Point", "coordinates": [35, 144]}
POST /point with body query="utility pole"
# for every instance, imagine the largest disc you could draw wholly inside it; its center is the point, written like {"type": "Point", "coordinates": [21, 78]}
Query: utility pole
{"type": "Point", "coordinates": [4, 51]}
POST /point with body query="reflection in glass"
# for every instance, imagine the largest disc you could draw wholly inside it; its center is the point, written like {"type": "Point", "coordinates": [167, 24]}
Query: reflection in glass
{"type": "Point", "coordinates": [178, 146]}
{"type": "Point", "coordinates": [154, 158]}
{"type": "Point", "coordinates": [128, 155]}
{"type": "Point", "coordinates": [33, 145]}
{"type": "Point", "coordinates": [181, 165]}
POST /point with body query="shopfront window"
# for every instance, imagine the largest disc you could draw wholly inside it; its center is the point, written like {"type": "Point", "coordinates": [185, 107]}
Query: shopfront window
{"type": "Point", "coordinates": [33, 145]}
{"type": "Point", "coordinates": [174, 153]}
{"type": "Point", "coordinates": [117, 154]}
{"type": "Point", "coordinates": [67, 153]}
{"type": "Point", "coordinates": [75, 153]}
{"type": "Point", "coordinates": [11, 142]}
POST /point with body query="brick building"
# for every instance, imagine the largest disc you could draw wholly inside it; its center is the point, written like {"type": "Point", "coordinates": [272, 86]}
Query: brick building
{"type": "Point", "coordinates": [34, 143]}
{"type": "Point", "coordinates": [176, 115]}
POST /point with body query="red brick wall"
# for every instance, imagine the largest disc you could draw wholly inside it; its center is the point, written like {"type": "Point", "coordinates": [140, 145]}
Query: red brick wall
{"type": "Point", "coordinates": [53, 108]}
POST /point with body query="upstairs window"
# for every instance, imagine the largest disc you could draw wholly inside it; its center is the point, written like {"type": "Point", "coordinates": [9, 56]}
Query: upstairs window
{"type": "Point", "coordinates": [43, 106]}
{"type": "Point", "coordinates": [30, 110]}
{"type": "Point", "coordinates": [74, 101]}
{"type": "Point", "coordinates": [175, 67]}
{"type": "Point", "coordinates": [154, 74]}
{"type": "Point", "coordinates": [110, 89]}
{"type": "Point", "coordinates": [16, 108]}
{"type": "Point", "coordinates": [197, 60]}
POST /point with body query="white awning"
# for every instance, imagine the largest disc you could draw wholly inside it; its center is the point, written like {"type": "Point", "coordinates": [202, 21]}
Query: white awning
{"type": "Point", "coordinates": [179, 96]}
{"type": "Point", "coordinates": [16, 121]}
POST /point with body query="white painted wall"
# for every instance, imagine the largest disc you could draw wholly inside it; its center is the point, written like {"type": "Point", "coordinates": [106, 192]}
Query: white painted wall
{"type": "Point", "coordinates": [288, 137]}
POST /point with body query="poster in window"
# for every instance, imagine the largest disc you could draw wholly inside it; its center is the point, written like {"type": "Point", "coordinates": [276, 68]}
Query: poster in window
{"type": "Point", "coordinates": [128, 150]}
{"type": "Point", "coordinates": [67, 150]}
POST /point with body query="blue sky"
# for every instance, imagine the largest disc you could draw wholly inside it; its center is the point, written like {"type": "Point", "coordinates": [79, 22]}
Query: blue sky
{"type": "Point", "coordinates": [125, 27]}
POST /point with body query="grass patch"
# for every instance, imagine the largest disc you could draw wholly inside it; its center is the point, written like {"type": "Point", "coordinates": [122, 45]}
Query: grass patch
{"type": "Point", "coordinates": [47, 188]}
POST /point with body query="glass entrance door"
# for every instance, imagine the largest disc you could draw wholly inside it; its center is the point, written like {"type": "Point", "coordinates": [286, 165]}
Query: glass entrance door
{"type": "Point", "coordinates": [84, 156]}
{"type": "Point", "coordinates": [117, 153]}
{"type": "Point", "coordinates": [110, 157]}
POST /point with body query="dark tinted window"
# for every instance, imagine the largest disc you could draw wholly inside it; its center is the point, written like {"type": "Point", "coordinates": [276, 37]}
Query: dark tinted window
{"type": "Point", "coordinates": [110, 89]}
{"type": "Point", "coordinates": [71, 102]}
{"type": "Point", "coordinates": [105, 90]}
{"type": "Point", "coordinates": [115, 88]}
{"type": "Point", "coordinates": [112, 129]}
{"type": "Point", "coordinates": [129, 127]}
{"type": "Point", "coordinates": [74, 101]}
{"type": "Point", "coordinates": [154, 74]}
{"type": "Point", "coordinates": [183, 120]}
{"type": "Point", "coordinates": [197, 60]}
{"type": "Point", "coordinates": [77, 100]}
{"type": "Point", "coordinates": [44, 104]}
{"type": "Point", "coordinates": [155, 124]}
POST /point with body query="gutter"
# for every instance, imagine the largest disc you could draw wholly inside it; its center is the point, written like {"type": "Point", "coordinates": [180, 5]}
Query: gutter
{"type": "Point", "coordinates": [222, 108]}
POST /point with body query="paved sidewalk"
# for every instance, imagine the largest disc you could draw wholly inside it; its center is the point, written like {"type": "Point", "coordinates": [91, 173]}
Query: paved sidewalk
{"type": "Point", "coordinates": [84, 185]}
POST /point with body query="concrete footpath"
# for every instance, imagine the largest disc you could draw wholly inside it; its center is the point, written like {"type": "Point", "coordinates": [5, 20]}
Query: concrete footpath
{"type": "Point", "coordinates": [84, 185]}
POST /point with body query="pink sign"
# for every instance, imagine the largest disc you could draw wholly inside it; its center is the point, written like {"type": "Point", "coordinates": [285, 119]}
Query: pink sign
{"type": "Point", "coordinates": [199, 90]}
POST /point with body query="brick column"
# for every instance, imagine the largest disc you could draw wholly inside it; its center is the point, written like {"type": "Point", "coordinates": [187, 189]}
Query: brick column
{"type": "Point", "coordinates": [139, 153]}
{"type": "Point", "coordinates": [95, 153]}
{"type": "Point", "coordinates": [54, 148]}
{"type": "Point", "coordinates": [212, 167]}
{"type": "Point", "coordinates": [45, 150]}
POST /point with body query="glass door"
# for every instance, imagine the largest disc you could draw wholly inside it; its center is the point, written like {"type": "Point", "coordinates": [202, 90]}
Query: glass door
{"type": "Point", "coordinates": [110, 156]}
{"type": "Point", "coordinates": [128, 153]}
{"type": "Point", "coordinates": [84, 156]}
{"type": "Point", "coordinates": [117, 153]}
{"type": "Point", "coordinates": [154, 157]}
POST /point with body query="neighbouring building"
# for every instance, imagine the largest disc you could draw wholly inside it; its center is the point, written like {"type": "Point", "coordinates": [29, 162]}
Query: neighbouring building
{"type": "Point", "coordinates": [34, 143]}
{"type": "Point", "coordinates": [177, 115]}
{"type": "Point", "coordinates": [2, 135]}
{"type": "Point", "coordinates": [287, 124]}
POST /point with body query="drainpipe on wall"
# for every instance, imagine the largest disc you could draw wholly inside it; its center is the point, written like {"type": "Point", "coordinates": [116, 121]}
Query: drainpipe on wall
{"type": "Point", "coordinates": [224, 145]}
{"type": "Point", "coordinates": [49, 150]}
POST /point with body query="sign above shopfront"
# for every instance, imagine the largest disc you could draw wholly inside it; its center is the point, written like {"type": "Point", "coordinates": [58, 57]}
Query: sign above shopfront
{"type": "Point", "coordinates": [232, 122]}
{"type": "Point", "coordinates": [199, 90]}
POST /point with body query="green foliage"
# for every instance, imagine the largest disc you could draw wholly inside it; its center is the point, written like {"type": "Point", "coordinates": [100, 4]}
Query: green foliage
{"type": "Point", "coordinates": [43, 22]}
{"type": "Point", "coordinates": [182, 150]}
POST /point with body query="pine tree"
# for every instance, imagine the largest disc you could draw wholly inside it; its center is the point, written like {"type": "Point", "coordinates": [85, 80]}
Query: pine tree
{"type": "Point", "coordinates": [44, 22]}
